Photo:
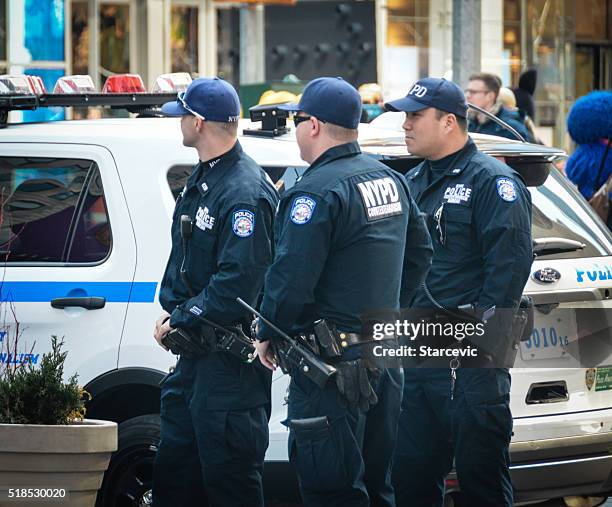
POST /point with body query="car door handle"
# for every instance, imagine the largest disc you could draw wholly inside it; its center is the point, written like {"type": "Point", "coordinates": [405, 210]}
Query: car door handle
{"type": "Point", "coordinates": [89, 303]}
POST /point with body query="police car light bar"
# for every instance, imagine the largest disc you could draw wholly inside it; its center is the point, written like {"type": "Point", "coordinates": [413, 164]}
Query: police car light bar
{"type": "Point", "coordinates": [121, 91]}
{"type": "Point", "coordinates": [132, 102]}
{"type": "Point", "coordinates": [124, 83]}
{"type": "Point", "coordinates": [273, 121]}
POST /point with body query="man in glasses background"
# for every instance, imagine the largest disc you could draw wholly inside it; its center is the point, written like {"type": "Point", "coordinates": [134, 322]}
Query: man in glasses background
{"type": "Point", "coordinates": [483, 91]}
{"type": "Point", "coordinates": [479, 216]}
{"type": "Point", "coordinates": [341, 234]}
{"type": "Point", "coordinates": [214, 406]}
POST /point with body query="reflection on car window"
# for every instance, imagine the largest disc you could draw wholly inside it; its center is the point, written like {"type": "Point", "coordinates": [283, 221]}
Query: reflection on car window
{"type": "Point", "coordinates": [177, 178]}
{"type": "Point", "coordinates": [291, 175]}
{"type": "Point", "coordinates": [558, 213]}
{"type": "Point", "coordinates": [92, 238]}
{"type": "Point", "coordinates": [53, 210]}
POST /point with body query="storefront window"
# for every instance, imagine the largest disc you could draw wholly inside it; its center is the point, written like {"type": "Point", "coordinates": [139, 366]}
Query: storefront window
{"type": "Point", "coordinates": [49, 77]}
{"type": "Point", "coordinates": [114, 40]}
{"type": "Point", "coordinates": [592, 19]}
{"type": "Point", "coordinates": [407, 41]}
{"type": "Point", "coordinates": [80, 38]}
{"type": "Point", "coordinates": [184, 39]}
{"type": "Point", "coordinates": [512, 38]}
{"type": "Point", "coordinates": [44, 29]}
{"type": "Point", "coordinates": [550, 48]}
{"type": "Point", "coordinates": [2, 30]}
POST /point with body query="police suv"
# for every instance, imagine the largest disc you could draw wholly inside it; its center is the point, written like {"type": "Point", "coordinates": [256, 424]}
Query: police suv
{"type": "Point", "coordinates": [85, 235]}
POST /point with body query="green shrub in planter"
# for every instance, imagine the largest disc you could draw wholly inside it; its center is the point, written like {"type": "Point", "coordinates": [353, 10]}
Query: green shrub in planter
{"type": "Point", "coordinates": [38, 395]}
{"type": "Point", "coordinates": [44, 440]}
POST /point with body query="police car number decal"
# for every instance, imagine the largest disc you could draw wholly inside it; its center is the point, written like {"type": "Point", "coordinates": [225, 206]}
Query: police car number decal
{"type": "Point", "coordinates": [302, 210]}
{"type": "Point", "coordinates": [458, 193]}
{"type": "Point", "coordinates": [243, 223]}
{"type": "Point", "coordinates": [506, 189]}
{"type": "Point", "coordinates": [380, 197]}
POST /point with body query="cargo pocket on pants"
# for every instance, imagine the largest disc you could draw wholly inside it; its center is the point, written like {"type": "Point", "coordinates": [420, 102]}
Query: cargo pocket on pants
{"type": "Point", "coordinates": [324, 453]}
{"type": "Point", "coordinates": [246, 434]}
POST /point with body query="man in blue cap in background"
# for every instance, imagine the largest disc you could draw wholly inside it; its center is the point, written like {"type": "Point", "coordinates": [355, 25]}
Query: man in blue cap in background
{"type": "Point", "coordinates": [214, 406]}
{"type": "Point", "coordinates": [479, 215]}
{"type": "Point", "coordinates": [341, 233]}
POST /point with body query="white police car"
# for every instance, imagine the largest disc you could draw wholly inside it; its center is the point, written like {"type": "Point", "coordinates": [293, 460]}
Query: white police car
{"type": "Point", "coordinates": [86, 212]}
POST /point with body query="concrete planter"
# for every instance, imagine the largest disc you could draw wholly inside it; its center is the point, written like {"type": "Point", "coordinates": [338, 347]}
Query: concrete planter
{"type": "Point", "coordinates": [72, 457]}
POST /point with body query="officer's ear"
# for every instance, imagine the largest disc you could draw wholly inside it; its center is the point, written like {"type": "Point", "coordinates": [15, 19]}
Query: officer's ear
{"type": "Point", "coordinates": [315, 126]}
{"type": "Point", "coordinates": [199, 124]}
{"type": "Point", "coordinates": [450, 122]}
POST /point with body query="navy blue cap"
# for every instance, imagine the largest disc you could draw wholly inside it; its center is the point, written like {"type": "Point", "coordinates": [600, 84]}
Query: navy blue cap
{"type": "Point", "coordinates": [432, 92]}
{"type": "Point", "coordinates": [332, 100]}
{"type": "Point", "coordinates": [211, 99]}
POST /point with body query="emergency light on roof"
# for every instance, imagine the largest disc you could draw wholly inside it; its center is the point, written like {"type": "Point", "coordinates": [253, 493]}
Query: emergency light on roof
{"type": "Point", "coordinates": [175, 82]}
{"type": "Point", "coordinates": [21, 85]}
{"type": "Point", "coordinates": [74, 84]}
{"type": "Point", "coordinates": [124, 83]}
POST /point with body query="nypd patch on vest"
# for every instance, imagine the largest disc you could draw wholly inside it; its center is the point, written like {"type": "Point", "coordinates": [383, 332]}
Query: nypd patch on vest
{"type": "Point", "coordinates": [302, 210]}
{"type": "Point", "coordinates": [243, 223]}
{"type": "Point", "coordinates": [458, 193]}
{"type": "Point", "coordinates": [380, 197]}
{"type": "Point", "coordinates": [506, 189]}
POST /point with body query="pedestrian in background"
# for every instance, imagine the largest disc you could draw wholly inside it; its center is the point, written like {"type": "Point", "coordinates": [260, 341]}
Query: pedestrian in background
{"type": "Point", "coordinates": [525, 92]}
{"type": "Point", "coordinates": [345, 233]}
{"type": "Point", "coordinates": [483, 91]}
{"type": "Point", "coordinates": [214, 406]}
{"type": "Point", "coordinates": [479, 214]}
{"type": "Point", "coordinates": [589, 124]}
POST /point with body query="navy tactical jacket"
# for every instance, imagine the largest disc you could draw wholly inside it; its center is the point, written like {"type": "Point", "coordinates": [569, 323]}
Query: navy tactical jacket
{"type": "Point", "coordinates": [512, 118]}
{"type": "Point", "coordinates": [231, 203]}
{"type": "Point", "coordinates": [344, 233]}
{"type": "Point", "coordinates": [479, 217]}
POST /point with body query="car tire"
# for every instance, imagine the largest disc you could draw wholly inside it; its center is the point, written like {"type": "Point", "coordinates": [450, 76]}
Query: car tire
{"type": "Point", "coordinates": [129, 478]}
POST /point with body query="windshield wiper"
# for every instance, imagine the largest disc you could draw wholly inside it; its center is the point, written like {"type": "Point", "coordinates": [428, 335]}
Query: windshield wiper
{"type": "Point", "coordinates": [549, 246]}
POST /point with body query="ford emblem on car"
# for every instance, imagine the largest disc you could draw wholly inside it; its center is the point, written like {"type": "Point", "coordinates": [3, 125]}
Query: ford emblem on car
{"type": "Point", "coordinates": [546, 275]}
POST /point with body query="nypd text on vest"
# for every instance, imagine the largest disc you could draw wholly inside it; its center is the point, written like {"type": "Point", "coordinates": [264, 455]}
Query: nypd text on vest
{"type": "Point", "coordinates": [380, 198]}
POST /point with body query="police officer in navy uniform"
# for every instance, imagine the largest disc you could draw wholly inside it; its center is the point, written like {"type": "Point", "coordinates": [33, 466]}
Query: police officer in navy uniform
{"type": "Point", "coordinates": [341, 233]}
{"type": "Point", "coordinates": [479, 214]}
{"type": "Point", "coordinates": [214, 407]}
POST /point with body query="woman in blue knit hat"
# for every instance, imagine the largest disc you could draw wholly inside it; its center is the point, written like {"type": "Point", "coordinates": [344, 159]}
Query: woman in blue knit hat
{"type": "Point", "coordinates": [590, 167]}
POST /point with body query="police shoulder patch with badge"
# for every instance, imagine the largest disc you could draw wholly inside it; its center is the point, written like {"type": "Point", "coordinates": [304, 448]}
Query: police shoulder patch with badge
{"type": "Point", "coordinates": [302, 209]}
{"type": "Point", "coordinates": [243, 223]}
{"type": "Point", "coordinates": [506, 189]}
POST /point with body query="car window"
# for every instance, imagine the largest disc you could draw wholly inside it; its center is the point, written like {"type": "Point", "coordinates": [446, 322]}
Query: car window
{"type": "Point", "coordinates": [558, 212]}
{"type": "Point", "coordinates": [177, 178]}
{"type": "Point", "coordinates": [53, 210]}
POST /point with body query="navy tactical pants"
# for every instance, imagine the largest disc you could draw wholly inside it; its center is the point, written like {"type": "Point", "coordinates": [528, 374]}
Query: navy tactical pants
{"type": "Point", "coordinates": [345, 459]}
{"type": "Point", "coordinates": [474, 427]}
{"type": "Point", "coordinates": [220, 452]}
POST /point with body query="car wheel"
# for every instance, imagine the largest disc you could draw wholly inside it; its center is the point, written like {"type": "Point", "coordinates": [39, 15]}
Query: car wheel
{"type": "Point", "coordinates": [129, 478]}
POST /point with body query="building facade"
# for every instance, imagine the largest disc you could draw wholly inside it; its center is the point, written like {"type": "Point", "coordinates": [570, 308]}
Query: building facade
{"type": "Point", "coordinates": [393, 42]}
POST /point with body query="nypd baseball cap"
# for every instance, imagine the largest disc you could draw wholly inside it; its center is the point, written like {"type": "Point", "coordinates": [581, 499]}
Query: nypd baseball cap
{"type": "Point", "coordinates": [211, 99]}
{"type": "Point", "coordinates": [432, 92]}
{"type": "Point", "coordinates": [332, 100]}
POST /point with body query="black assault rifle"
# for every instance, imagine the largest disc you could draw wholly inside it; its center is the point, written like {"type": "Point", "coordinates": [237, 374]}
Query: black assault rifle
{"type": "Point", "coordinates": [296, 355]}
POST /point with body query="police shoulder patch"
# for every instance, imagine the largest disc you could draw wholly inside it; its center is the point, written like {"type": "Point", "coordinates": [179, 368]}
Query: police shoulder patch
{"type": "Point", "coordinates": [506, 189]}
{"type": "Point", "coordinates": [302, 209]}
{"type": "Point", "coordinates": [243, 223]}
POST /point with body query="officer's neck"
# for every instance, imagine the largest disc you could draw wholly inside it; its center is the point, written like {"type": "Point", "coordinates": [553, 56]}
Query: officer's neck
{"type": "Point", "coordinates": [214, 148]}
{"type": "Point", "coordinates": [448, 147]}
